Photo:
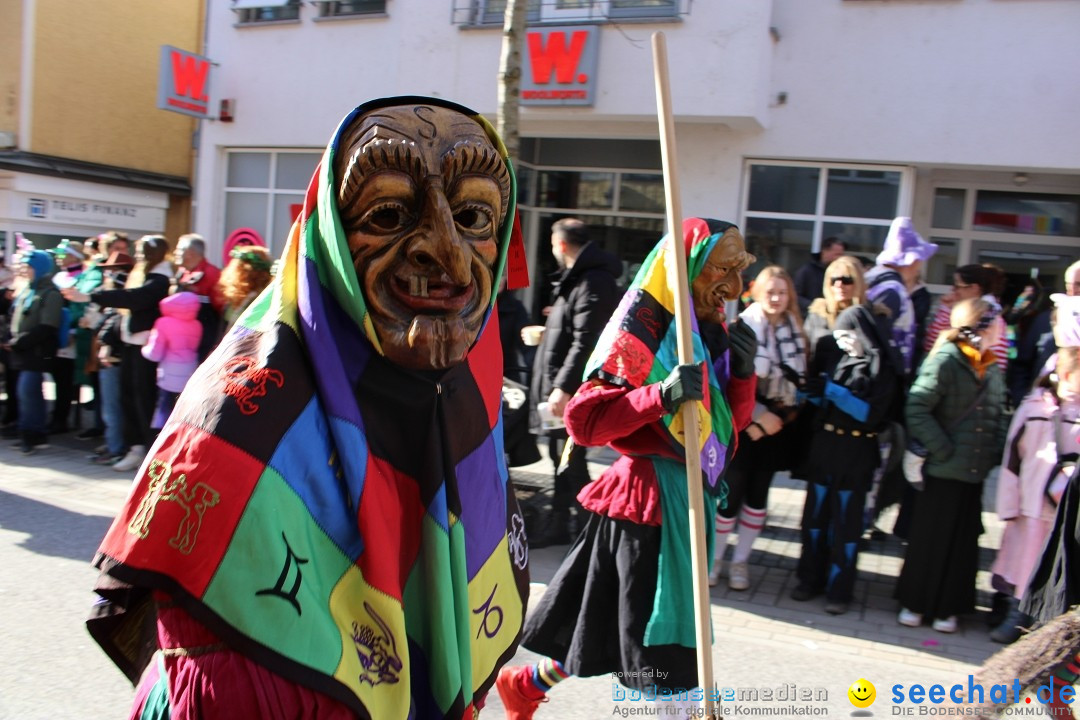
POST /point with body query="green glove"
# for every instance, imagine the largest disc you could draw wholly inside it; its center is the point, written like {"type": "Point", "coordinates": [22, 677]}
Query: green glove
{"type": "Point", "coordinates": [743, 344]}
{"type": "Point", "coordinates": [685, 382]}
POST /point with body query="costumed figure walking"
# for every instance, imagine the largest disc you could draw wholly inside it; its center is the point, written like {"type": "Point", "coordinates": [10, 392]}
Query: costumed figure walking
{"type": "Point", "coordinates": [619, 602]}
{"type": "Point", "coordinates": [324, 527]}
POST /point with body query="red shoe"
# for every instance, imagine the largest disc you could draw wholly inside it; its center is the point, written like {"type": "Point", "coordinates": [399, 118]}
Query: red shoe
{"type": "Point", "coordinates": [518, 707]}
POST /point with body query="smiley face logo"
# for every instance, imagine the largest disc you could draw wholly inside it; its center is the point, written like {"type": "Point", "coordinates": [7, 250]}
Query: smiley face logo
{"type": "Point", "coordinates": [862, 693]}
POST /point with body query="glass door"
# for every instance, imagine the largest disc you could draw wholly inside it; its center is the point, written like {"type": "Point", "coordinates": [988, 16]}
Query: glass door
{"type": "Point", "coordinates": [1024, 262]}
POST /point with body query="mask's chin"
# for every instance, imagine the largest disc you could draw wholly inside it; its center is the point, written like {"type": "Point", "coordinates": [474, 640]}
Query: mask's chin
{"type": "Point", "coordinates": [428, 342]}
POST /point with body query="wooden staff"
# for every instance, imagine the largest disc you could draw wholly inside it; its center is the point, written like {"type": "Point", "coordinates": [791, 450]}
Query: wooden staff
{"type": "Point", "coordinates": [684, 335]}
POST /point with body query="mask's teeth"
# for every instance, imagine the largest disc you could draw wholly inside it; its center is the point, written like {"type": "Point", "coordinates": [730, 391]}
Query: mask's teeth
{"type": "Point", "coordinates": [423, 287]}
{"type": "Point", "coordinates": [414, 285]}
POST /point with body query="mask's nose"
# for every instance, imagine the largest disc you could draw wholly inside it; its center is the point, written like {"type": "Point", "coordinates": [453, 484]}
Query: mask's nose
{"type": "Point", "coordinates": [436, 246]}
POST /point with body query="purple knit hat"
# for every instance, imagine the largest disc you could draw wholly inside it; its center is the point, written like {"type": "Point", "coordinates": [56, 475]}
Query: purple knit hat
{"type": "Point", "coordinates": [903, 246]}
{"type": "Point", "coordinates": [1066, 320]}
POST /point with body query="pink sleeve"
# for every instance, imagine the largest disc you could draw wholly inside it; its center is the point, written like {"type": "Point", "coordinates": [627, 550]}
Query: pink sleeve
{"type": "Point", "coordinates": [154, 349]}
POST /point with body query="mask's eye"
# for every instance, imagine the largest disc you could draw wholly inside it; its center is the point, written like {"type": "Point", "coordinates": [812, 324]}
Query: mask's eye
{"type": "Point", "coordinates": [387, 218]}
{"type": "Point", "coordinates": [474, 220]}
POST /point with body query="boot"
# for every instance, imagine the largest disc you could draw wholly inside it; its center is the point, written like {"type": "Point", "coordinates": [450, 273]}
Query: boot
{"type": "Point", "coordinates": [999, 608]}
{"type": "Point", "coordinates": [1013, 626]}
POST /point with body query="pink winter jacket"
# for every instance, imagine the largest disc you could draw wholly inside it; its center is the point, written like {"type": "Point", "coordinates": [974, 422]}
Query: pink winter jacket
{"type": "Point", "coordinates": [174, 341]}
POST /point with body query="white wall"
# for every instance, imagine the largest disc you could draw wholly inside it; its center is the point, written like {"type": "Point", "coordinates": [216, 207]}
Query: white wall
{"type": "Point", "coordinates": [964, 83]}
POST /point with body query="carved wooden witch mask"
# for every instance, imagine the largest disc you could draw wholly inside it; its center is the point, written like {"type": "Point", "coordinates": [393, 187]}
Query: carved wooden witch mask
{"type": "Point", "coordinates": [422, 192]}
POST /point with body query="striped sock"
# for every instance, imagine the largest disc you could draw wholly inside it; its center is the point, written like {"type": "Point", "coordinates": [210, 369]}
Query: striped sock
{"type": "Point", "coordinates": [547, 674]}
{"type": "Point", "coordinates": [751, 520]}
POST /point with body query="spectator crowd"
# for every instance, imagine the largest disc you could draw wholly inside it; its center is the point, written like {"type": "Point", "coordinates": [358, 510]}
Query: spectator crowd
{"type": "Point", "coordinates": [867, 388]}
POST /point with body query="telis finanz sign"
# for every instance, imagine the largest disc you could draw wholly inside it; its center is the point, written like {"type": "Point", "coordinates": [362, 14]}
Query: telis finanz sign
{"type": "Point", "coordinates": [184, 82]}
{"type": "Point", "coordinates": [560, 65]}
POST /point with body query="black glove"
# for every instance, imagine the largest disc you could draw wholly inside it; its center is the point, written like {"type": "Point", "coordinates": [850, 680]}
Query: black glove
{"type": "Point", "coordinates": [813, 386]}
{"type": "Point", "coordinates": [686, 382]}
{"type": "Point", "coordinates": [743, 344]}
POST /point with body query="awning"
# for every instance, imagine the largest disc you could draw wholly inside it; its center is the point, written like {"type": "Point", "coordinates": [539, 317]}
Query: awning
{"type": "Point", "coordinates": [93, 172]}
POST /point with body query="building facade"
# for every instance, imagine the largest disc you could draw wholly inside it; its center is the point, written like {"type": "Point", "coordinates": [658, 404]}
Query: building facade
{"type": "Point", "coordinates": [83, 146]}
{"type": "Point", "coordinates": [796, 119]}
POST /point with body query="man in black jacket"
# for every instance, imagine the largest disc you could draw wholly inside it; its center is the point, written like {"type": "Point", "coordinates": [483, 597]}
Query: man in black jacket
{"type": "Point", "coordinates": [584, 298]}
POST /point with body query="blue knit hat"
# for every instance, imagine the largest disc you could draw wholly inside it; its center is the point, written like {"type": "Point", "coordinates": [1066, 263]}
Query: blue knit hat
{"type": "Point", "coordinates": [41, 262]}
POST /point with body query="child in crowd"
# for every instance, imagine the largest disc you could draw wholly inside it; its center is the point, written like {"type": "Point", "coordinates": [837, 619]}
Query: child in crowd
{"type": "Point", "coordinates": [173, 345]}
{"type": "Point", "coordinates": [1044, 430]}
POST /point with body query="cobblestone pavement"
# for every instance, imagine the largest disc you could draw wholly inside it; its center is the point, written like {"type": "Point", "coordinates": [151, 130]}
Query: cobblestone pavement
{"type": "Point", "coordinates": [55, 506]}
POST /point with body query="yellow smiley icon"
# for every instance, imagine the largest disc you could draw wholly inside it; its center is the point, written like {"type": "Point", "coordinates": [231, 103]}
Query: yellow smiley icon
{"type": "Point", "coordinates": [862, 693]}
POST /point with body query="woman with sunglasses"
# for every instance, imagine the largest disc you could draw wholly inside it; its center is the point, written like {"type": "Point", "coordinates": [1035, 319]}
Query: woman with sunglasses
{"type": "Point", "coordinates": [969, 282]}
{"type": "Point", "coordinates": [854, 379]}
{"type": "Point", "coordinates": [766, 444]}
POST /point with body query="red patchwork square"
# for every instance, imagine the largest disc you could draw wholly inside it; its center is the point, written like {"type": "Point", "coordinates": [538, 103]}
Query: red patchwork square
{"type": "Point", "coordinates": [390, 517]}
{"type": "Point", "coordinates": [184, 507]}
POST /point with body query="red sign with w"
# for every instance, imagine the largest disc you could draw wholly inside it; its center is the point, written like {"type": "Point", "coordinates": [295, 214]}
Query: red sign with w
{"type": "Point", "coordinates": [184, 82]}
{"type": "Point", "coordinates": [560, 66]}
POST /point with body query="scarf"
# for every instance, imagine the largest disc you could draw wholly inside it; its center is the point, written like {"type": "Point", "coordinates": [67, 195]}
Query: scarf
{"type": "Point", "coordinates": [779, 345]}
{"type": "Point", "coordinates": [639, 347]}
{"type": "Point", "coordinates": [340, 520]}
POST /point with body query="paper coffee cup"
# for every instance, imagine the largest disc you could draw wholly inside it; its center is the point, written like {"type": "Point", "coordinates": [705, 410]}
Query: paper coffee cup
{"type": "Point", "coordinates": [532, 334]}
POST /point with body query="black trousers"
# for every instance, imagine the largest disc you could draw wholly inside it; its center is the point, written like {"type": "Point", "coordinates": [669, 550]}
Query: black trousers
{"type": "Point", "coordinates": [138, 386]}
{"type": "Point", "coordinates": [63, 374]}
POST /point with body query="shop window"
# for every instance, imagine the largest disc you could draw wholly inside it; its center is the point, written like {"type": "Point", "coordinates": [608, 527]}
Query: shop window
{"type": "Point", "coordinates": [642, 192]}
{"type": "Point", "coordinates": [265, 191]}
{"type": "Point", "coordinates": [641, 8]}
{"type": "Point", "coordinates": [777, 242]}
{"type": "Point", "coordinates": [1027, 213]}
{"type": "Point", "coordinates": [949, 208]}
{"type": "Point", "coordinates": [778, 188]}
{"type": "Point", "coordinates": [862, 193]}
{"type": "Point", "coordinates": [576, 190]}
{"type": "Point", "coordinates": [350, 8]}
{"type": "Point", "coordinates": [790, 207]}
{"type": "Point", "coordinates": [939, 271]}
{"type": "Point", "coordinates": [262, 11]}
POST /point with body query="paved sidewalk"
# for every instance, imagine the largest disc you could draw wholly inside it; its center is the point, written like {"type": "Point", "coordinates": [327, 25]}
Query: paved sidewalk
{"type": "Point", "coordinates": [763, 638]}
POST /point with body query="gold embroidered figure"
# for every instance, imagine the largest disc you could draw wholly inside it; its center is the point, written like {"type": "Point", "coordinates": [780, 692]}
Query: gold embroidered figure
{"type": "Point", "coordinates": [194, 503]}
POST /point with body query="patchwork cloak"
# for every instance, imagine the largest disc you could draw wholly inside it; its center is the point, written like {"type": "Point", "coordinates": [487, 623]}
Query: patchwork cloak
{"type": "Point", "coordinates": [341, 521]}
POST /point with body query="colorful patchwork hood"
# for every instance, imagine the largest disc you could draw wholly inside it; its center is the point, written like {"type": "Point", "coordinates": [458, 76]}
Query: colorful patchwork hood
{"type": "Point", "coordinates": [639, 346]}
{"type": "Point", "coordinates": [340, 520]}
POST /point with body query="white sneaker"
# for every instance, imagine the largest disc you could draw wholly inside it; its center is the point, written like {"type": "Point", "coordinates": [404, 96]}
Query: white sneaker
{"type": "Point", "coordinates": [716, 573]}
{"type": "Point", "coordinates": [945, 625]}
{"type": "Point", "coordinates": [739, 576]}
{"type": "Point", "coordinates": [132, 460]}
{"type": "Point", "coordinates": [908, 618]}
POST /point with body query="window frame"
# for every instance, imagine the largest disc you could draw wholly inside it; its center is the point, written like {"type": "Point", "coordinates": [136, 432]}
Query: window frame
{"type": "Point", "coordinates": [272, 236]}
{"type": "Point", "coordinates": [331, 9]}
{"type": "Point", "coordinates": [904, 198]}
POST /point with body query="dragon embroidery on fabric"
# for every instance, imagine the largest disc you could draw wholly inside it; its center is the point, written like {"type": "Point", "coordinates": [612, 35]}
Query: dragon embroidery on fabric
{"type": "Point", "coordinates": [377, 650]}
{"type": "Point", "coordinates": [164, 487]}
{"type": "Point", "coordinates": [245, 381]}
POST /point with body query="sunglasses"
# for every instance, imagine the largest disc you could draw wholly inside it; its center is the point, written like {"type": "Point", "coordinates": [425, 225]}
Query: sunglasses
{"type": "Point", "coordinates": [843, 280]}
